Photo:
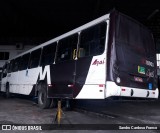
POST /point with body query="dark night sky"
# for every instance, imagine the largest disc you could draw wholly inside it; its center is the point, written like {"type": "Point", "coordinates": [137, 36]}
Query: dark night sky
{"type": "Point", "coordinates": [36, 21]}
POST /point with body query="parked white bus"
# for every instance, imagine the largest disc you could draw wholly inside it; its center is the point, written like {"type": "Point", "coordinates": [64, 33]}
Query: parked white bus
{"type": "Point", "coordinates": [10, 51]}
{"type": "Point", "coordinates": [113, 55]}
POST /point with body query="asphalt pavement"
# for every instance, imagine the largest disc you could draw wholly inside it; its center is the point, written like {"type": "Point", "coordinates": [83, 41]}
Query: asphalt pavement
{"type": "Point", "coordinates": [89, 116]}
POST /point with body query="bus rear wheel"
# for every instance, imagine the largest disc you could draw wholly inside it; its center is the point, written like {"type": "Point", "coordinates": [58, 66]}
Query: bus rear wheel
{"type": "Point", "coordinates": [43, 101]}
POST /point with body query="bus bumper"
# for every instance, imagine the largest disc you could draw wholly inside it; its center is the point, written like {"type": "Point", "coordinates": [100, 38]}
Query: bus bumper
{"type": "Point", "coordinates": [114, 90]}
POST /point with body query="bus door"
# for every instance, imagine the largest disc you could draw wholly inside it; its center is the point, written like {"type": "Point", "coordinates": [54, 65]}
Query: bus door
{"type": "Point", "coordinates": [63, 70]}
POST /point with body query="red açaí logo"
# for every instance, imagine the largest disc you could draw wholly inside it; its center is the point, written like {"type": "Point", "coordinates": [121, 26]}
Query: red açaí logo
{"type": "Point", "coordinates": [98, 62]}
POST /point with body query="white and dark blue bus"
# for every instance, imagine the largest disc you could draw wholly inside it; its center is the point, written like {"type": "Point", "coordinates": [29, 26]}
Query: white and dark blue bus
{"type": "Point", "coordinates": [113, 55]}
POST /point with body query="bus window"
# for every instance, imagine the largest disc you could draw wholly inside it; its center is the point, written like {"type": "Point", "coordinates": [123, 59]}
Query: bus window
{"type": "Point", "coordinates": [92, 40]}
{"type": "Point", "coordinates": [15, 65]}
{"type": "Point", "coordinates": [81, 52]}
{"type": "Point", "coordinates": [4, 71]}
{"type": "Point", "coordinates": [10, 66]}
{"type": "Point", "coordinates": [35, 57]}
{"type": "Point", "coordinates": [24, 62]}
{"type": "Point", "coordinates": [66, 48]}
{"type": "Point", "coordinates": [48, 54]}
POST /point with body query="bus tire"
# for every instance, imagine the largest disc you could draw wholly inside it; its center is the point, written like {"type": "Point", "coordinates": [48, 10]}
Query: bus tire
{"type": "Point", "coordinates": [8, 95]}
{"type": "Point", "coordinates": [43, 101]}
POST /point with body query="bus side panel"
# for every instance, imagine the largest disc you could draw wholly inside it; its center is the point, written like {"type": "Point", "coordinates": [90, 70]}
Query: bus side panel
{"type": "Point", "coordinates": [82, 68]}
{"type": "Point", "coordinates": [3, 84]}
{"type": "Point", "coordinates": [91, 77]}
{"type": "Point", "coordinates": [26, 80]}
{"type": "Point", "coordinates": [12, 79]}
{"type": "Point", "coordinates": [62, 77]}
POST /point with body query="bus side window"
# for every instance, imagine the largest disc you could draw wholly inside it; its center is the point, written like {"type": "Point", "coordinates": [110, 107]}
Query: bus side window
{"type": "Point", "coordinates": [81, 52]}
{"type": "Point", "coordinates": [24, 62]}
{"type": "Point", "coordinates": [11, 66]}
{"type": "Point", "coordinates": [48, 54]}
{"type": "Point", "coordinates": [4, 71]}
{"type": "Point", "coordinates": [92, 40]}
{"type": "Point", "coordinates": [8, 66]}
{"type": "Point", "coordinates": [66, 48]}
{"type": "Point", "coordinates": [16, 64]}
{"type": "Point", "coordinates": [35, 58]}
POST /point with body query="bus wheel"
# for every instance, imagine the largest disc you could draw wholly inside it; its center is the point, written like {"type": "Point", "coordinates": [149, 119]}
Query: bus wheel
{"type": "Point", "coordinates": [7, 91]}
{"type": "Point", "coordinates": [43, 101]}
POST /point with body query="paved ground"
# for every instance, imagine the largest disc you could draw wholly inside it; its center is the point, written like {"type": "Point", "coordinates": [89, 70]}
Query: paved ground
{"type": "Point", "coordinates": [24, 111]}
{"type": "Point", "coordinates": [125, 111]}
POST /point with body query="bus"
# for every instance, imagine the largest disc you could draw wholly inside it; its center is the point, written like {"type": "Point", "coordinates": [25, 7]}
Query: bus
{"type": "Point", "coordinates": [9, 51]}
{"type": "Point", "coordinates": [113, 55]}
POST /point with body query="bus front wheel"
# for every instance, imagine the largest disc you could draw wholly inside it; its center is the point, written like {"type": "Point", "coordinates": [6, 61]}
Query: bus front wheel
{"type": "Point", "coordinates": [43, 101]}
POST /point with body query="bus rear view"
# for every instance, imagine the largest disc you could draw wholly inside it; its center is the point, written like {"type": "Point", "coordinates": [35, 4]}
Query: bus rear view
{"type": "Point", "coordinates": [131, 65]}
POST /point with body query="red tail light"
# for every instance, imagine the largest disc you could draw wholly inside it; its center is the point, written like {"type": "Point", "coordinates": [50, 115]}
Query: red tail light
{"type": "Point", "coordinates": [101, 85]}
